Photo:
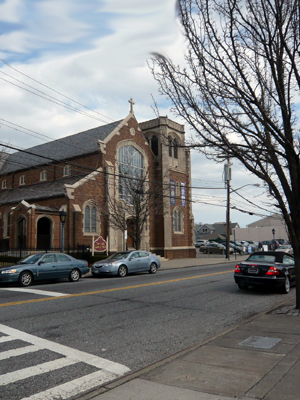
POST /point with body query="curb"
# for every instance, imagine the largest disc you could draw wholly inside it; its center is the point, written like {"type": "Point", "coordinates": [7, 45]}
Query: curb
{"type": "Point", "coordinates": [131, 376]}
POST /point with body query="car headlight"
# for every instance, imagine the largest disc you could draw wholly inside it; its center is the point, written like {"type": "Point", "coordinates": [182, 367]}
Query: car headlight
{"type": "Point", "coordinates": [112, 263]}
{"type": "Point", "coordinates": [9, 271]}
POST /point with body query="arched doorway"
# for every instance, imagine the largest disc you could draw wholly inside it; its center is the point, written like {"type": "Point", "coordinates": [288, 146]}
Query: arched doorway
{"type": "Point", "coordinates": [21, 239]}
{"type": "Point", "coordinates": [130, 229]}
{"type": "Point", "coordinates": [43, 240]}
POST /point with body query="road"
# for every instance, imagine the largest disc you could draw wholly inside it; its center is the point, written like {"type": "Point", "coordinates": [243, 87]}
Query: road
{"type": "Point", "coordinates": [57, 339]}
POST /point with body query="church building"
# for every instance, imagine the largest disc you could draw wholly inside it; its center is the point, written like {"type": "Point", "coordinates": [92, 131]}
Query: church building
{"type": "Point", "coordinates": [60, 194]}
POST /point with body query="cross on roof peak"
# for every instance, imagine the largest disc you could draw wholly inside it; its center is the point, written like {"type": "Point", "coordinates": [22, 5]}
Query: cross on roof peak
{"type": "Point", "coordinates": [131, 105]}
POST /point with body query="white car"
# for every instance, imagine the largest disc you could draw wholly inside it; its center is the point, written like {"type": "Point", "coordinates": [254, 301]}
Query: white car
{"type": "Point", "coordinates": [287, 248]}
{"type": "Point", "coordinates": [201, 242]}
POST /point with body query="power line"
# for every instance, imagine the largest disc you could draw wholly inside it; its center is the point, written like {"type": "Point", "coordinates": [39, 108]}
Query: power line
{"type": "Point", "coordinates": [55, 91]}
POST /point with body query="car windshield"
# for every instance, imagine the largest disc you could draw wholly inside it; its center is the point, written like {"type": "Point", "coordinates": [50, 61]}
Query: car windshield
{"type": "Point", "coordinates": [262, 257]}
{"type": "Point", "coordinates": [32, 259]}
{"type": "Point", "coordinates": [118, 256]}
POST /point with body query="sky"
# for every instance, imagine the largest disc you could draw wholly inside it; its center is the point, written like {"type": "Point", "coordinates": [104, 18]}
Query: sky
{"type": "Point", "coordinates": [89, 58]}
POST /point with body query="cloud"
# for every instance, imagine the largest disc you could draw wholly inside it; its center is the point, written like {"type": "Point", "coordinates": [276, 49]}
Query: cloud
{"type": "Point", "coordinates": [96, 53]}
{"type": "Point", "coordinates": [11, 10]}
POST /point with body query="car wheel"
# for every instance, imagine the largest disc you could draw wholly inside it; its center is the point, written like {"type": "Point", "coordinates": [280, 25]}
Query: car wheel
{"type": "Point", "coordinates": [287, 285]}
{"type": "Point", "coordinates": [242, 286]}
{"type": "Point", "coordinates": [204, 251]}
{"type": "Point", "coordinates": [25, 278]}
{"type": "Point", "coordinates": [122, 271]}
{"type": "Point", "coordinates": [74, 275]}
{"type": "Point", "coordinates": [153, 268]}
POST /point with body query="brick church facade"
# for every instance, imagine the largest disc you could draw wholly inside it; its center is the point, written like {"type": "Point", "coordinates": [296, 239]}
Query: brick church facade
{"type": "Point", "coordinates": [78, 173]}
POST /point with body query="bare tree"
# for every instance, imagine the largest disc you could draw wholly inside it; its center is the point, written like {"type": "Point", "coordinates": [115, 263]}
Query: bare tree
{"type": "Point", "coordinates": [136, 199]}
{"type": "Point", "coordinates": [239, 90]}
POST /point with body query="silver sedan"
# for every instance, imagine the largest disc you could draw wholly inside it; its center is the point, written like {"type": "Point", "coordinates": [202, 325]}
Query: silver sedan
{"type": "Point", "coordinates": [127, 262]}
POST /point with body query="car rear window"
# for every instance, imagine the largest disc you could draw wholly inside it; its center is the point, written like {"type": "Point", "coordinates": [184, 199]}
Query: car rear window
{"type": "Point", "coordinates": [262, 257]}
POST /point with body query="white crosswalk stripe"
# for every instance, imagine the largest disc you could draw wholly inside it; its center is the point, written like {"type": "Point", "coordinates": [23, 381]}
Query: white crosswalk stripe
{"type": "Point", "coordinates": [107, 370]}
{"type": "Point", "coordinates": [36, 291]}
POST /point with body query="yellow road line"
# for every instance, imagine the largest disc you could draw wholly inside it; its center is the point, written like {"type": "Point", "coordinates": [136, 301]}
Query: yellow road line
{"type": "Point", "coordinates": [111, 290]}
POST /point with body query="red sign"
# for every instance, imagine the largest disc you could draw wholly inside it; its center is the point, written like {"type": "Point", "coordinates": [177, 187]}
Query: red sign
{"type": "Point", "coordinates": [100, 244]}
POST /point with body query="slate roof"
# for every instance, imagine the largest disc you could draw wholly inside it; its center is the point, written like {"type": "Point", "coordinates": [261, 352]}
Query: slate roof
{"type": "Point", "coordinates": [70, 146]}
{"type": "Point", "coordinates": [42, 190]}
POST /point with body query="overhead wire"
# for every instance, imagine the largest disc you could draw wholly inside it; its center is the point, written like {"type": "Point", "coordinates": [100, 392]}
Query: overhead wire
{"type": "Point", "coordinates": [61, 103]}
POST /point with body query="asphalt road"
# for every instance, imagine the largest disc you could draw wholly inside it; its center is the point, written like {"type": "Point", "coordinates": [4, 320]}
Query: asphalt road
{"type": "Point", "coordinates": [73, 328]}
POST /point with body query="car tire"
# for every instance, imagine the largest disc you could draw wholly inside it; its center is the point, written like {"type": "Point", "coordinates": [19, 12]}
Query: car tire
{"type": "Point", "coordinates": [25, 278]}
{"type": "Point", "coordinates": [287, 286]}
{"type": "Point", "coordinates": [153, 268]}
{"type": "Point", "coordinates": [74, 275]}
{"type": "Point", "coordinates": [122, 271]}
{"type": "Point", "coordinates": [204, 251]}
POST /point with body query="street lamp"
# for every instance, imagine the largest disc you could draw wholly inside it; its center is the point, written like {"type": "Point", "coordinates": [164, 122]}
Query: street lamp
{"type": "Point", "coordinates": [62, 216]}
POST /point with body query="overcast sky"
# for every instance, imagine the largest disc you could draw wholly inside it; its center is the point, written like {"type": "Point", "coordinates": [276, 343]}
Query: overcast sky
{"type": "Point", "coordinates": [94, 52]}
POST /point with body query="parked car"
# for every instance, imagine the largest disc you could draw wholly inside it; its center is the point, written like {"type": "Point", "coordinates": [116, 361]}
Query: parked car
{"type": "Point", "coordinates": [127, 262]}
{"type": "Point", "coordinates": [210, 248]}
{"type": "Point", "coordinates": [238, 247]}
{"type": "Point", "coordinates": [253, 244]}
{"type": "Point", "coordinates": [200, 242]}
{"type": "Point", "coordinates": [270, 244]}
{"type": "Point", "coordinates": [244, 245]}
{"type": "Point", "coordinates": [275, 269]}
{"type": "Point", "coordinates": [234, 248]}
{"type": "Point", "coordinates": [286, 248]}
{"type": "Point", "coordinates": [44, 266]}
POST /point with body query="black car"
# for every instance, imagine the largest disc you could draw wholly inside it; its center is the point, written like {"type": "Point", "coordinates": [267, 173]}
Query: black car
{"type": "Point", "coordinates": [275, 269]}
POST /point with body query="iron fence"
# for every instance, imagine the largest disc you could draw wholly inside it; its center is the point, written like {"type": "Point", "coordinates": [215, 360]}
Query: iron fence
{"type": "Point", "coordinates": [8, 256]}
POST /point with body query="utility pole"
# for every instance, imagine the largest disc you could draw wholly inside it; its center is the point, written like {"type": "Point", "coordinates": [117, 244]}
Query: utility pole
{"type": "Point", "coordinates": [227, 178]}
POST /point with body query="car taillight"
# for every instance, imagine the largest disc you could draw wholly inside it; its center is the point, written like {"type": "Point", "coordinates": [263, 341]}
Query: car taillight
{"type": "Point", "coordinates": [273, 271]}
{"type": "Point", "coordinates": [237, 269]}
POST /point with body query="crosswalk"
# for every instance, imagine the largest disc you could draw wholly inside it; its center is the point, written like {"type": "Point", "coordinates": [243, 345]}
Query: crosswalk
{"type": "Point", "coordinates": [21, 383]}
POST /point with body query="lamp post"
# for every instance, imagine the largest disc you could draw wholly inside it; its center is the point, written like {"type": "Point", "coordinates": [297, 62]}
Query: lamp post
{"type": "Point", "coordinates": [273, 233]}
{"type": "Point", "coordinates": [62, 216]}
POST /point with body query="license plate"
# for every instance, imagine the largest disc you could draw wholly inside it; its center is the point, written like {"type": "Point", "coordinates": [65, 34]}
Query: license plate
{"type": "Point", "coordinates": [253, 270]}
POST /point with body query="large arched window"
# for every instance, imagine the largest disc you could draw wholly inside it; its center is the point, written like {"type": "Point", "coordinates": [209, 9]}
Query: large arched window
{"type": "Point", "coordinates": [131, 170]}
{"type": "Point", "coordinates": [91, 218]}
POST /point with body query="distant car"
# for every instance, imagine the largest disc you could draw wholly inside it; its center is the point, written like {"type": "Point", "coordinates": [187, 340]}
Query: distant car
{"type": "Point", "coordinates": [210, 248]}
{"type": "Point", "coordinates": [253, 244]}
{"type": "Point", "coordinates": [201, 242]}
{"type": "Point", "coordinates": [270, 244]}
{"type": "Point", "coordinates": [233, 247]}
{"type": "Point", "coordinates": [44, 266]}
{"type": "Point", "coordinates": [287, 248]}
{"type": "Point", "coordinates": [127, 262]}
{"type": "Point", "coordinates": [275, 269]}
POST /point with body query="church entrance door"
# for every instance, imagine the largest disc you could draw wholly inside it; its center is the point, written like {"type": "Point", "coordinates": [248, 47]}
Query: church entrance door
{"type": "Point", "coordinates": [43, 241]}
{"type": "Point", "coordinates": [130, 229]}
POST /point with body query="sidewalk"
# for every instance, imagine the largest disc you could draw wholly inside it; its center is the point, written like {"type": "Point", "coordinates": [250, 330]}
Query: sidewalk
{"type": "Point", "coordinates": [258, 359]}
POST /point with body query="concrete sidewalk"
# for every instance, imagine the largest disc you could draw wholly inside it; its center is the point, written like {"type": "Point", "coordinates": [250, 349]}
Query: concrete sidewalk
{"type": "Point", "coordinates": [258, 359]}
